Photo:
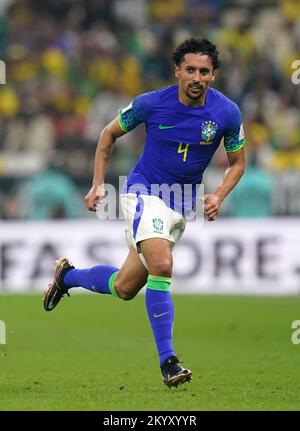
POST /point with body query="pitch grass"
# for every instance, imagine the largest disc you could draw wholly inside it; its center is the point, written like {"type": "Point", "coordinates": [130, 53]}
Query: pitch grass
{"type": "Point", "coordinates": [97, 353]}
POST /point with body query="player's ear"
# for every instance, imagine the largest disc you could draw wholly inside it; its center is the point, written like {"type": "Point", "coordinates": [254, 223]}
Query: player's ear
{"type": "Point", "coordinates": [177, 71]}
{"type": "Point", "coordinates": [214, 75]}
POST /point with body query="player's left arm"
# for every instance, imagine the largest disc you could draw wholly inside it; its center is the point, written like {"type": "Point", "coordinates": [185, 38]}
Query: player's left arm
{"type": "Point", "coordinates": [236, 168]}
{"type": "Point", "coordinates": [234, 145]}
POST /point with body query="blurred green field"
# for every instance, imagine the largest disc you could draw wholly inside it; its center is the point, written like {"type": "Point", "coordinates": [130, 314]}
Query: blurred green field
{"type": "Point", "coordinates": [97, 353]}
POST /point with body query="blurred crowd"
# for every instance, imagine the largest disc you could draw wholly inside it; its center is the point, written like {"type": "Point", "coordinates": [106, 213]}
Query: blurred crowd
{"type": "Point", "coordinates": [71, 64]}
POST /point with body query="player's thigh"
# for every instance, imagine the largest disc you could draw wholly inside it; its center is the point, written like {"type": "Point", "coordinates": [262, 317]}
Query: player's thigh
{"type": "Point", "coordinates": [131, 277]}
{"type": "Point", "coordinates": [158, 255]}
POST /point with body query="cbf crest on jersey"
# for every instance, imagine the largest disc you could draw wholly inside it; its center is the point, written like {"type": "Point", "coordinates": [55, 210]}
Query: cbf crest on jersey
{"type": "Point", "coordinates": [158, 224]}
{"type": "Point", "coordinates": [208, 132]}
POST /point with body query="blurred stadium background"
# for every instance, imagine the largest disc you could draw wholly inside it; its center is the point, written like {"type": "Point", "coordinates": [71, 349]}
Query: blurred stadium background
{"type": "Point", "coordinates": [70, 65]}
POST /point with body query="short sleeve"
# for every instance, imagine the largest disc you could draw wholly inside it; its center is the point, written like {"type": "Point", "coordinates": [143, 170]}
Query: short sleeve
{"type": "Point", "coordinates": [134, 114]}
{"type": "Point", "coordinates": [234, 138]}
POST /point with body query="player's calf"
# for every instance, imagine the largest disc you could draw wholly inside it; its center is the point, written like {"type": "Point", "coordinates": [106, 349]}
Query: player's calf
{"type": "Point", "coordinates": [126, 290]}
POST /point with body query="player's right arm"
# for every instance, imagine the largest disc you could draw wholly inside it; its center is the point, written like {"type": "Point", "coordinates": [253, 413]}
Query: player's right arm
{"type": "Point", "coordinates": [128, 118]}
{"type": "Point", "coordinates": [107, 138]}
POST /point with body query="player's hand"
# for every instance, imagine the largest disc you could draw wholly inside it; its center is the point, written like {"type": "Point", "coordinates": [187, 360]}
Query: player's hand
{"type": "Point", "coordinates": [212, 204]}
{"type": "Point", "coordinates": [94, 197]}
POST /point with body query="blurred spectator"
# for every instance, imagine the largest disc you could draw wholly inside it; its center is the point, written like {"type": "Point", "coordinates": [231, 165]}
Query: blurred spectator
{"type": "Point", "coordinates": [253, 195]}
{"type": "Point", "coordinates": [50, 194]}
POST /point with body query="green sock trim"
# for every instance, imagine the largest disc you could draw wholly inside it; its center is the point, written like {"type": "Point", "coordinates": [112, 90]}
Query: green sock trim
{"type": "Point", "coordinates": [111, 283]}
{"type": "Point", "coordinates": [159, 278]}
{"type": "Point", "coordinates": [155, 282]}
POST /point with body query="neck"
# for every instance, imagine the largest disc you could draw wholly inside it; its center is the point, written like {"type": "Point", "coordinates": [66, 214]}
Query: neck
{"type": "Point", "coordinates": [194, 103]}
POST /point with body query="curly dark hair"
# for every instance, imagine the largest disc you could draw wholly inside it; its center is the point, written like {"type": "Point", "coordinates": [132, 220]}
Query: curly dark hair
{"type": "Point", "coordinates": [196, 45]}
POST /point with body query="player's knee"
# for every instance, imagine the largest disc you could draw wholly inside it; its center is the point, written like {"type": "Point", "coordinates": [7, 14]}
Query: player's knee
{"type": "Point", "coordinates": [126, 296]}
{"type": "Point", "coordinates": [124, 291]}
{"type": "Point", "coordinates": [161, 267]}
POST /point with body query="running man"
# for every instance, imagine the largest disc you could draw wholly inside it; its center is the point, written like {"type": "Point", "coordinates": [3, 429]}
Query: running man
{"type": "Point", "coordinates": [185, 124]}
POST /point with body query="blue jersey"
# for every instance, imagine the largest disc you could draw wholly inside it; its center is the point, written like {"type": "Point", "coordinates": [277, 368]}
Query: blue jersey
{"type": "Point", "coordinates": [180, 142]}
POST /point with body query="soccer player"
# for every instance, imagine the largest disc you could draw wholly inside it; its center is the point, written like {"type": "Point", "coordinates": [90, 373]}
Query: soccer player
{"type": "Point", "coordinates": [185, 124]}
